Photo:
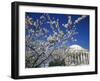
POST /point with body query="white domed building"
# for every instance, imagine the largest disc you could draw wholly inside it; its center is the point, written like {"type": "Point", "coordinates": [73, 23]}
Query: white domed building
{"type": "Point", "coordinates": [76, 55]}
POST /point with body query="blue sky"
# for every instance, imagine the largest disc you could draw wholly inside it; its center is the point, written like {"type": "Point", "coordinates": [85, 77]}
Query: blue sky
{"type": "Point", "coordinates": [82, 27]}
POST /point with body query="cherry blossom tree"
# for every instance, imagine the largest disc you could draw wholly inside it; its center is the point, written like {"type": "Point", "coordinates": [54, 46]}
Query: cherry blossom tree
{"type": "Point", "coordinates": [40, 45]}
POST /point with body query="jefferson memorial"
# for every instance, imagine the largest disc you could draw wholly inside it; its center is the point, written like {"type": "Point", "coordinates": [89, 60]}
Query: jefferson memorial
{"type": "Point", "coordinates": [77, 55]}
{"type": "Point", "coordinates": [73, 56]}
